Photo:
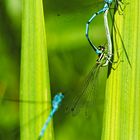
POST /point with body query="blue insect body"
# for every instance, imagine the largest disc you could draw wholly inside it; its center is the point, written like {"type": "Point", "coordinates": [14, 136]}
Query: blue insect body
{"type": "Point", "coordinates": [85, 97]}
{"type": "Point", "coordinates": [55, 105]}
{"type": "Point", "coordinates": [106, 7]}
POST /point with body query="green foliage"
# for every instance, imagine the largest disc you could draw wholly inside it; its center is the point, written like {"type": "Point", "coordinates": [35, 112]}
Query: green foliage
{"type": "Point", "coordinates": [121, 114]}
{"type": "Point", "coordinates": [70, 58]}
{"type": "Point", "coordinates": [34, 80]}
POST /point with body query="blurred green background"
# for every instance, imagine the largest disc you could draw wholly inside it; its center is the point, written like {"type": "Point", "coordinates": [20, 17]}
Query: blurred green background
{"type": "Point", "coordinates": [70, 59]}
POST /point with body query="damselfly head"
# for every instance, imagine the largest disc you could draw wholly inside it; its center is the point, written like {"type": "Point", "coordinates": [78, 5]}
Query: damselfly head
{"type": "Point", "coordinates": [101, 55]}
{"type": "Point", "coordinates": [58, 96]}
{"type": "Point", "coordinates": [101, 48]}
{"type": "Point", "coordinates": [61, 95]}
{"type": "Point", "coordinates": [57, 99]}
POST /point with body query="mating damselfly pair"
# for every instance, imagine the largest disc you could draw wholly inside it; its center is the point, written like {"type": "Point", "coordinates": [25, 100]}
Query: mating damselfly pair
{"type": "Point", "coordinates": [104, 56]}
{"type": "Point", "coordinates": [100, 52]}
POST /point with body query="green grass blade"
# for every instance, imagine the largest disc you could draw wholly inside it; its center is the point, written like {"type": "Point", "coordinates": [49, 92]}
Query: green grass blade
{"type": "Point", "coordinates": [34, 75]}
{"type": "Point", "coordinates": [122, 103]}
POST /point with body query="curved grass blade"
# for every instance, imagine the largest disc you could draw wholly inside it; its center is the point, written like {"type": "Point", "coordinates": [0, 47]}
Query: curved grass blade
{"type": "Point", "coordinates": [34, 76]}
{"type": "Point", "coordinates": [122, 103]}
{"type": "Point", "coordinates": [116, 30]}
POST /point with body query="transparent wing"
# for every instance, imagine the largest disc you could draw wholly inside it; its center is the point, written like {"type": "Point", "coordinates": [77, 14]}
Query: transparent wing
{"type": "Point", "coordinates": [84, 99]}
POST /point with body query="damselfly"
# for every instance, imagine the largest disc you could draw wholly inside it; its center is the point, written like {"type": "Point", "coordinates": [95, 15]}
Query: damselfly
{"type": "Point", "coordinates": [106, 7]}
{"type": "Point", "coordinates": [71, 17]}
{"type": "Point", "coordinates": [85, 98]}
{"type": "Point", "coordinates": [55, 105]}
{"type": "Point", "coordinates": [8, 102]}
